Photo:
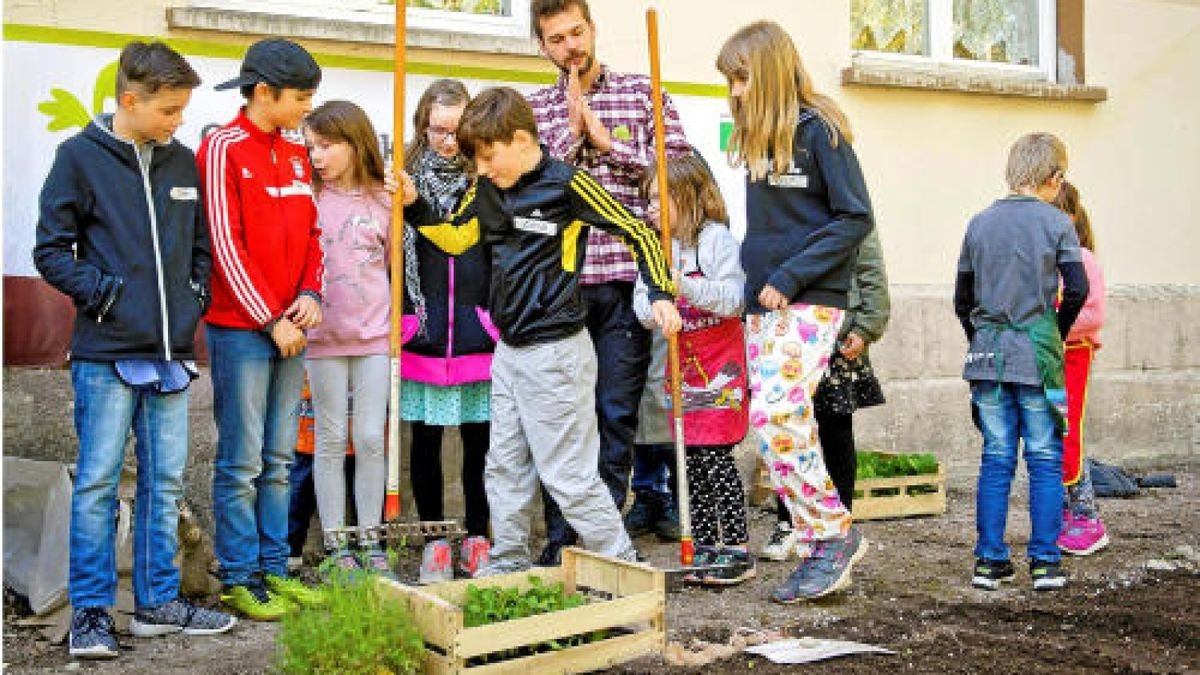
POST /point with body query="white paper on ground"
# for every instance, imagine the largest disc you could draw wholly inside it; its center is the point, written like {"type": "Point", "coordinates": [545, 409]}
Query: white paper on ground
{"type": "Point", "coordinates": [808, 650]}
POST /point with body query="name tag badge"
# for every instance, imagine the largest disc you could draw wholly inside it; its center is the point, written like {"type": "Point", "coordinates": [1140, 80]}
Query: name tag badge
{"type": "Point", "coordinates": [536, 226]}
{"type": "Point", "coordinates": [788, 180]}
{"type": "Point", "coordinates": [185, 194]}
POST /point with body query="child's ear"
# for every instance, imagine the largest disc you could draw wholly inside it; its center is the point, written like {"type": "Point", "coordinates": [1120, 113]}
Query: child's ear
{"type": "Point", "coordinates": [127, 99]}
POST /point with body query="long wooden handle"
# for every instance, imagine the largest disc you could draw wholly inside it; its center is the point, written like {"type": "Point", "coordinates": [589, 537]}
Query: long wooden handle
{"type": "Point", "coordinates": [391, 507]}
{"type": "Point", "coordinates": [686, 550]}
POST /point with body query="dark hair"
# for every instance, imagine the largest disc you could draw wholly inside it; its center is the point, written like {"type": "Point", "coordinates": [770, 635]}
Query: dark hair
{"type": "Point", "coordinates": [150, 66]}
{"type": "Point", "coordinates": [692, 187]}
{"type": "Point", "coordinates": [446, 92]}
{"type": "Point", "coordinates": [345, 122]}
{"type": "Point", "coordinates": [247, 90]}
{"type": "Point", "coordinates": [494, 116]}
{"type": "Point", "coordinates": [1068, 202]}
{"type": "Point", "coordinates": [541, 9]}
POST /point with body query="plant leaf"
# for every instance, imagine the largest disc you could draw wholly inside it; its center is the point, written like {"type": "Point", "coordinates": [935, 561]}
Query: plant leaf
{"type": "Point", "coordinates": [105, 87]}
{"type": "Point", "coordinates": [64, 110]}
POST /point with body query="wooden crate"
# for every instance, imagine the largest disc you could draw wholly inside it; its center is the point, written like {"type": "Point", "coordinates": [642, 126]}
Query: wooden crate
{"type": "Point", "coordinates": [873, 505]}
{"type": "Point", "coordinates": [626, 599]}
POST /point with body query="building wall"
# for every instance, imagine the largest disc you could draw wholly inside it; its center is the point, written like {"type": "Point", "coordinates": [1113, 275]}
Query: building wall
{"type": "Point", "coordinates": [932, 159]}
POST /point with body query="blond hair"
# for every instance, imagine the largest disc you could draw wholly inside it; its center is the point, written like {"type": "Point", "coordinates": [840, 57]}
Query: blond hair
{"type": "Point", "coordinates": [693, 190]}
{"type": "Point", "coordinates": [777, 87]}
{"type": "Point", "coordinates": [1034, 159]}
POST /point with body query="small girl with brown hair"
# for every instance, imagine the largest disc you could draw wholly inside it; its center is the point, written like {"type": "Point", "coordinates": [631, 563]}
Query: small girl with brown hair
{"type": "Point", "coordinates": [807, 213]}
{"type": "Point", "coordinates": [1082, 532]}
{"type": "Point", "coordinates": [712, 361]}
{"type": "Point", "coordinates": [449, 336]}
{"type": "Point", "coordinates": [348, 352]}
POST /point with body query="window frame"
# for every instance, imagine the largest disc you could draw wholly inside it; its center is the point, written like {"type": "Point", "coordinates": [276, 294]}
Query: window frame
{"type": "Point", "coordinates": [940, 20]}
{"type": "Point", "coordinates": [375, 12]}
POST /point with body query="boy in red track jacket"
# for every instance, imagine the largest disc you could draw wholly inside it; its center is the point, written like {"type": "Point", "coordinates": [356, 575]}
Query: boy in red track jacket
{"type": "Point", "coordinates": [266, 292]}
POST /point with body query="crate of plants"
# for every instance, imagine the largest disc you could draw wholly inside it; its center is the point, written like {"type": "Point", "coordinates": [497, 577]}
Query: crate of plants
{"type": "Point", "coordinates": [894, 485]}
{"type": "Point", "coordinates": [591, 613]}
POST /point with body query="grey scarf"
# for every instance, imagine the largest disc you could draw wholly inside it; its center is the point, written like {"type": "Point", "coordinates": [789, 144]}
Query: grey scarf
{"type": "Point", "coordinates": [442, 182]}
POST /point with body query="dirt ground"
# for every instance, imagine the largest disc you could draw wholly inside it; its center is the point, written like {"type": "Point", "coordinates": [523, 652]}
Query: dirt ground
{"type": "Point", "coordinates": [1131, 608]}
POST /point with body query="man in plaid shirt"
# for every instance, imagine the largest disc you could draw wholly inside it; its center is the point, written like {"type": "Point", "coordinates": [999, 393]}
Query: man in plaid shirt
{"type": "Point", "coordinates": [602, 122]}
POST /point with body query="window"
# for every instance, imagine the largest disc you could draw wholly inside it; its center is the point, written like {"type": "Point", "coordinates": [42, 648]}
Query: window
{"type": "Point", "coordinates": [498, 18]}
{"type": "Point", "coordinates": [1016, 37]}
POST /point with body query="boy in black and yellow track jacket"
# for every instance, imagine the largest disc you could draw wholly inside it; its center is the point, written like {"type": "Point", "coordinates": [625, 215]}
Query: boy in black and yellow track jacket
{"type": "Point", "coordinates": [533, 212]}
{"type": "Point", "coordinates": [537, 231]}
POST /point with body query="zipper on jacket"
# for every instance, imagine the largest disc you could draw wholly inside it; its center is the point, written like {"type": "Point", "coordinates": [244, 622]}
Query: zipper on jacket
{"type": "Point", "coordinates": [158, 266]}
{"type": "Point", "coordinates": [450, 327]}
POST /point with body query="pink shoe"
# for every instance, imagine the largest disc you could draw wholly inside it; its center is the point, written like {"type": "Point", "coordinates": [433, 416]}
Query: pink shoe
{"type": "Point", "coordinates": [436, 566]}
{"type": "Point", "coordinates": [1082, 536]}
{"type": "Point", "coordinates": [473, 554]}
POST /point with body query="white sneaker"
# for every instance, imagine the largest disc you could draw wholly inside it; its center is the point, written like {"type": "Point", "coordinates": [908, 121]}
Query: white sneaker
{"type": "Point", "coordinates": [781, 545]}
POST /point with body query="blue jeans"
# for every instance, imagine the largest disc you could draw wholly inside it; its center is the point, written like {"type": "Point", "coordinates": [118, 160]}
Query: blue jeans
{"type": "Point", "coordinates": [256, 399]}
{"type": "Point", "coordinates": [105, 410]}
{"type": "Point", "coordinates": [653, 468]}
{"type": "Point", "coordinates": [1010, 413]}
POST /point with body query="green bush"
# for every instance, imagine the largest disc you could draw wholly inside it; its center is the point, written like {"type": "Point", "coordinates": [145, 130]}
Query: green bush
{"type": "Point", "coordinates": [357, 631]}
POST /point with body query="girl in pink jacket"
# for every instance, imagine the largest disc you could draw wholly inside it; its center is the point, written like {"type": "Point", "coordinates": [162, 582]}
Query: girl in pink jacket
{"type": "Point", "coordinates": [1083, 532]}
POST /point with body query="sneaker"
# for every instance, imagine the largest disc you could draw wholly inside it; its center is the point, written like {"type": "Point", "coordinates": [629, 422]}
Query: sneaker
{"type": "Point", "coordinates": [496, 568]}
{"type": "Point", "coordinates": [782, 543]}
{"type": "Point", "coordinates": [473, 554]}
{"type": "Point", "coordinates": [436, 565]}
{"type": "Point", "coordinates": [989, 574]}
{"type": "Point", "coordinates": [252, 601]}
{"type": "Point", "coordinates": [551, 555]}
{"type": "Point", "coordinates": [826, 571]}
{"type": "Point", "coordinates": [666, 527]}
{"type": "Point", "coordinates": [739, 566]}
{"type": "Point", "coordinates": [339, 563]}
{"type": "Point", "coordinates": [92, 634]}
{"type": "Point", "coordinates": [1082, 536]}
{"type": "Point", "coordinates": [703, 557]}
{"type": "Point", "coordinates": [1047, 576]}
{"type": "Point", "coordinates": [294, 591]}
{"type": "Point", "coordinates": [375, 560]}
{"type": "Point", "coordinates": [642, 515]}
{"type": "Point", "coordinates": [179, 615]}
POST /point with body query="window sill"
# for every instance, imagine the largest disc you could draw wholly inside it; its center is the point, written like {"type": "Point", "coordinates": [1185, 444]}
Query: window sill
{"type": "Point", "coordinates": [942, 78]}
{"type": "Point", "coordinates": [368, 29]}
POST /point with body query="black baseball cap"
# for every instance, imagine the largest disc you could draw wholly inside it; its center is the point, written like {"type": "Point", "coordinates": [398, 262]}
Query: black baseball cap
{"type": "Point", "coordinates": [279, 63]}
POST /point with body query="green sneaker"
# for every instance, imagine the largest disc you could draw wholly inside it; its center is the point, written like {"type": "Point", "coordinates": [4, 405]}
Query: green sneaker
{"type": "Point", "coordinates": [254, 602]}
{"type": "Point", "coordinates": [294, 591]}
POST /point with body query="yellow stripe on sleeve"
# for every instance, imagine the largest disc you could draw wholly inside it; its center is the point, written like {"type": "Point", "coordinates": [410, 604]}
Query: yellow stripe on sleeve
{"type": "Point", "coordinates": [642, 237]}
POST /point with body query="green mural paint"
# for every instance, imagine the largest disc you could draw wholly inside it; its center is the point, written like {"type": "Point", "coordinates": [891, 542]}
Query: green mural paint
{"type": "Point", "coordinates": [726, 132]}
{"type": "Point", "coordinates": [66, 111]}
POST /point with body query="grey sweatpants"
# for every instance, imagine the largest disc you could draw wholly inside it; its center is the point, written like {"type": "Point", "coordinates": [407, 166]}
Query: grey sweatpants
{"type": "Point", "coordinates": [544, 427]}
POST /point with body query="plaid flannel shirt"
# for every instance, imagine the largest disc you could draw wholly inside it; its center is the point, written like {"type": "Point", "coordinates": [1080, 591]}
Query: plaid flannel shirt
{"type": "Point", "coordinates": [622, 102]}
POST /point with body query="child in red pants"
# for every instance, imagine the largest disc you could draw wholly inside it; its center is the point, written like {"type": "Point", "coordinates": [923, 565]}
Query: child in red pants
{"type": "Point", "coordinates": [1082, 531]}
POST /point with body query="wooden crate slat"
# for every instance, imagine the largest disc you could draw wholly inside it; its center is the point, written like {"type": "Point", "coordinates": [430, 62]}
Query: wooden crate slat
{"type": "Point", "coordinates": [899, 507]}
{"type": "Point", "coordinates": [594, 656]}
{"type": "Point", "coordinates": [618, 577]}
{"type": "Point", "coordinates": [438, 620]}
{"type": "Point", "coordinates": [866, 484]}
{"type": "Point", "coordinates": [495, 637]}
